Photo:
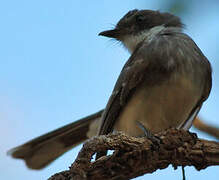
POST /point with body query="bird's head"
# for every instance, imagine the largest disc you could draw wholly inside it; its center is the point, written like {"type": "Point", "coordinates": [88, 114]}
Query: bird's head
{"type": "Point", "coordinates": [136, 25]}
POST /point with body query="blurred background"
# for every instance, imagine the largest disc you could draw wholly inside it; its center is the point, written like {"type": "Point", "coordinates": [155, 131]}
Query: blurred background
{"type": "Point", "coordinates": [54, 69]}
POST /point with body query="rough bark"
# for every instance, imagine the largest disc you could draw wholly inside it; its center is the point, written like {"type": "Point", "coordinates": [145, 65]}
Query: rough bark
{"type": "Point", "coordinates": [134, 157]}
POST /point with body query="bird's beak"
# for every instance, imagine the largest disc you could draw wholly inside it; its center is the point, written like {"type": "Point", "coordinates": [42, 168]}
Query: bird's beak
{"type": "Point", "coordinates": [115, 33]}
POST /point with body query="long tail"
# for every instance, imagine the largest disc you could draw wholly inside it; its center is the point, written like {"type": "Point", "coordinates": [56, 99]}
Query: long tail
{"type": "Point", "coordinates": [43, 150]}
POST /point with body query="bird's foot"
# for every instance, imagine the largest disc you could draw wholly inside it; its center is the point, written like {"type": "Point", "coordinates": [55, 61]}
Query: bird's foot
{"type": "Point", "coordinates": [148, 134]}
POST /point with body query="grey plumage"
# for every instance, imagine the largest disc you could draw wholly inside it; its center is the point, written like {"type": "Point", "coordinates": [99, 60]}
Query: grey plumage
{"type": "Point", "coordinates": [169, 54]}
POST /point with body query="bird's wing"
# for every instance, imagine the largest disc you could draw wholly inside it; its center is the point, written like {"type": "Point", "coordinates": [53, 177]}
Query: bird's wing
{"type": "Point", "coordinates": [130, 77]}
{"type": "Point", "coordinates": [197, 55]}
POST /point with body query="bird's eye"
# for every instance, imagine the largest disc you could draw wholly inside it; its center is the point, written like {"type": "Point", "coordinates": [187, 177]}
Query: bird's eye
{"type": "Point", "coordinates": [139, 18]}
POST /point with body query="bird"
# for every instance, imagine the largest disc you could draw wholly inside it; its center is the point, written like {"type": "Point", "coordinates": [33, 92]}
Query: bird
{"type": "Point", "coordinates": [163, 84]}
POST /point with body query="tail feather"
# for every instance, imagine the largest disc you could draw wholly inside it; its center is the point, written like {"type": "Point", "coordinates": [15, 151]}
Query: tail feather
{"type": "Point", "coordinates": [42, 150]}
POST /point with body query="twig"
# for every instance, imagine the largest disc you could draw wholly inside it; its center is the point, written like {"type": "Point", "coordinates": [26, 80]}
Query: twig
{"type": "Point", "coordinates": [200, 125]}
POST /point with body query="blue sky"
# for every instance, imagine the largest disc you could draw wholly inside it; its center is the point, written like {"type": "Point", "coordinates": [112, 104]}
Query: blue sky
{"type": "Point", "coordinates": [54, 69]}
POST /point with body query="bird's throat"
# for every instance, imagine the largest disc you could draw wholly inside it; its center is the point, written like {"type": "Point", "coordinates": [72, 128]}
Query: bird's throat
{"type": "Point", "coordinates": [132, 41]}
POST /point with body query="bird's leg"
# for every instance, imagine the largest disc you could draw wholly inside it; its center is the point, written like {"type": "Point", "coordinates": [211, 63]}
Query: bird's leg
{"type": "Point", "coordinates": [155, 140]}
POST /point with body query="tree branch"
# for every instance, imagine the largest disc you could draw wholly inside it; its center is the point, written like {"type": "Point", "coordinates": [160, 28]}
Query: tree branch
{"type": "Point", "coordinates": [202, 126]}
{"type": "Point", "coordinates": [134, 157]}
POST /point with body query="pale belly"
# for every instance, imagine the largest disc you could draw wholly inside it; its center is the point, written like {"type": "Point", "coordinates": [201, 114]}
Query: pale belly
{"type": "Point", "coordinates": [158, 107]}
